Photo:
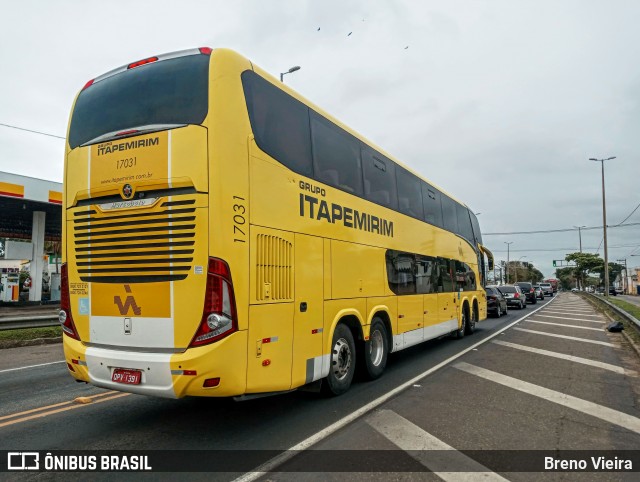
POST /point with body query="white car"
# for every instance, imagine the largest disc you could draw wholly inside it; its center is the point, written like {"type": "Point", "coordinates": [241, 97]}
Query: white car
{"type": "Point", "coordinates": [547, 289]}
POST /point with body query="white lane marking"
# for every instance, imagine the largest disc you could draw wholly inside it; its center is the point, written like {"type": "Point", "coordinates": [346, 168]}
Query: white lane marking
{"type": "Point", "coordinates": [566, 326]}
{"type": "Point", "coordinates": [271, 465]}
{"type": "Point", "coordinates": [604, 343]}
{"type": "Point", "coordinates": [31, 366]}
{"type": "Point", "coordinates": [571, 319]}
{"type": "Point", "coordinates": [606, 414]}
{"type": "Point", "coordinates": [577, 359]}
{"type": "Point", "coordinates": [572, 313]}
{"type": "Point", "coordinates": [447, 463]}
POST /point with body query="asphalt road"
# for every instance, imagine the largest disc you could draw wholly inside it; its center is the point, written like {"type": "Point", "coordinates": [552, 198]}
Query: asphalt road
{"type": "Point", "coordinates": [465, 405]}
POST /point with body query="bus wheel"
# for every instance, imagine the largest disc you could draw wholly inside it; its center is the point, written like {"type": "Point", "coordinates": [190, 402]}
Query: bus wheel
{"type": "Point", "coordinates": [376, 350]}
{"type": "Point", "coordinates": [471, 326]}
{"type": "Point", "coordinates": [342, 362]}
{"type": "Point", "coordinates": [463, 328]}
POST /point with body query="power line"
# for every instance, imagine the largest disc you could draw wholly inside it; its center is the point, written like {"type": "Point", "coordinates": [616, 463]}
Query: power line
{"type": "Point", "coordinates": [638, 206]}
{"type": "Point", "coordinates": [566, 230]}
{"type": "Point", "coordinates": [29, 130]}
{"type": "Point", "coordinates": [525, 250]}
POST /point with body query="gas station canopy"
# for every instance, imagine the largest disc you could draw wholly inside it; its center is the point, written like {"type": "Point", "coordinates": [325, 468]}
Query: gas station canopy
{"type": "Point", "coordinates": [30, 209]}
{"type": "Point", "coordinates": [20, 197]}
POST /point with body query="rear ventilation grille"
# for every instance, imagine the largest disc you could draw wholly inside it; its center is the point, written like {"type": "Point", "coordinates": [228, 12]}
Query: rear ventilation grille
{"type": "Point", "coordinates": [274, 268]}
{"type": "Point", "coordinates": [138, 247]}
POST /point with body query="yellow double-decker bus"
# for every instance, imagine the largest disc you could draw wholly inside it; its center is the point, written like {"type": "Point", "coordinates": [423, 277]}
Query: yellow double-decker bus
{"type": "Point", "coordinates": [223, 236]}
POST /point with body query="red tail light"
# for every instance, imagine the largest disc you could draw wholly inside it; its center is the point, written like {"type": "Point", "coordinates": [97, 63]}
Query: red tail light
{"type": "Point", "coordinates": [88, 84]}
{"type": "Point", "coordinates": [64, 316]}
{"type": "Point", "coordinates": [206, 50]}
{"type": "Point", "coordinates": [517, 295]}
{"type": "Point", "coordinates": [142, 62]}
{"type": "Point", "coordinates": [219, 316]}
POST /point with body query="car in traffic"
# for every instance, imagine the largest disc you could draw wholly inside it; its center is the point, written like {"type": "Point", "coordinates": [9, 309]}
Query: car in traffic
{"type": "Point", "coordinates": [514, 296]}
{"type": "Point", "coordinates": [539, 292]}
{"type": "Point", "coordinates": [547, 289]}
{"type": "Point", "coordinates": [496, 302]}
{"type": "Point", "coordinates": [529, 292]}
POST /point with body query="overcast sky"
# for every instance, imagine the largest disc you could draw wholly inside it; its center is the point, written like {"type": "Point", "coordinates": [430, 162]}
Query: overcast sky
{"type": "Point", "coordinates": [499, 102]}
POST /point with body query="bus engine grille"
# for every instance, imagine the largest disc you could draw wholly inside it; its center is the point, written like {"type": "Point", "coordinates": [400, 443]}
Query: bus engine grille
{"type": "Point", "coordinates": [274, 268]}
{"type": "Point", "coordinates": [135, 246]}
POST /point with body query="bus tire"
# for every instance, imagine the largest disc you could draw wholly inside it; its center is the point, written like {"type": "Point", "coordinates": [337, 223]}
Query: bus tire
{"type": "Point", "coordinates": [471, 326]}
{"type": "Point", "coordinates": [342, 362]}
{"type": "Point", "coordinates": [463, 327]}
{"type": "Point", "coordinates": [376, 349]}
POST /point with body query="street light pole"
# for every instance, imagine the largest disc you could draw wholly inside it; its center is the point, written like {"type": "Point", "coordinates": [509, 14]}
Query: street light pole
{"type": "Point", "coordinates": [292, 69]}
{"type": "Point", "coordinates": [508, 244]}
{"type": "Point", "coordinates": [604, 227]}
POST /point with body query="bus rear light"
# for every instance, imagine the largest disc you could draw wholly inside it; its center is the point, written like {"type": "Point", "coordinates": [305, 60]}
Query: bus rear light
{"type": "Point", "coordinates": [142, 62]}
{"type": "Point", "coordinates": [70, 367]}
{"type": "Point", "coordinates": [211, 382]}
{"type": "Point", "coordinates": [205, 50]}
{"type": "Point", "coordinates": [219, 316]}
{"type": "Point", "coordinates": [88, 84]}
{"type": "Point", "coordinates": [126, 133]}
{"type": "Point", "coordinates": [64, 316]}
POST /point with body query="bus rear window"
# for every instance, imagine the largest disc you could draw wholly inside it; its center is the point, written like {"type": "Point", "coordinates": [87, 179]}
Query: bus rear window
{"type": "Point", "coordinates": [173, 91]}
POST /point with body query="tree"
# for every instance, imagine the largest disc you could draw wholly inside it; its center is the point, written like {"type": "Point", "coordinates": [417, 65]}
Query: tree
{"type": "Point", "coordinates": [567, 276]}
{"type": "Point", "coordinates": [585, 263]}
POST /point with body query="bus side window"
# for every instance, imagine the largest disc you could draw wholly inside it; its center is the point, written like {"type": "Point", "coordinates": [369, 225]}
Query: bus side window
{"type": "Point", "coordinates": [279, 122]}
{"type": "Point", "coordinates": [336, 156]}
{"type": "Point", "coordinates": [379, 179]}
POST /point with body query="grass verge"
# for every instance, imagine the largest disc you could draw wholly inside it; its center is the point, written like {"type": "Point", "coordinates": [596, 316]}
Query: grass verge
{"type": "Point", "coordinates": [24, 334]}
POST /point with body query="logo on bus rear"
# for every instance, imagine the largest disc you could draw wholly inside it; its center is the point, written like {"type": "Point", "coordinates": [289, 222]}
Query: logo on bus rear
{"type": "Point", "coordinates": [129, 303]}
{"type": "Point", "coordinates": [127, 191]}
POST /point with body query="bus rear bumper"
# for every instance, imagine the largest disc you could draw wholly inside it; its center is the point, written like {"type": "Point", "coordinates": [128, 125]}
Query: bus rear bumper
{"type": "Point", "coordinates": [167, 375]}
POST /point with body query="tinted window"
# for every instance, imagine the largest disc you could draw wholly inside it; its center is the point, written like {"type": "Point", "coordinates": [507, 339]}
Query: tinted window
{"type": "Point", "coordinates": [336, 156]}
{"type": "Point", "coordinates": [401, 272]}
{"type": "Point", "coordinates": [168, 92]}
{"type": "Point", "coordinates": [476, 227]}
{"type": "Point", "coordinates": [507, 289]}
{"type": "Point", "coordinates": [279, 122]}
{"type": "Point", "coordinates": [465, 277]}
{"type": "Point", "coordinates": [464, 223]}
{"type": "Point", "coordinates": [409, 194]}
{"type": "Point", "coordinates": [444, 281]}
{"type": "Point", "coordinates": [432, 205]}
{"type": "Point", "coordinates": [379, 179]}
{"type": "Point", "coordinates": [449, 214]}
{"type": "Point", "coordinates": [426, 274]}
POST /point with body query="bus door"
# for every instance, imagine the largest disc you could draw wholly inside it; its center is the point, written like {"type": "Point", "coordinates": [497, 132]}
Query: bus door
{"type": "Point", "coordinates": [308, 310]}
{"type": "Point", "coordinates": [409, 302]}
{"type": "Point", "coordinates": [426, 282]}
{"type": "Point", "coordinates": [447, 307]}
{"type": "Point", "coordinates": [271, 311]}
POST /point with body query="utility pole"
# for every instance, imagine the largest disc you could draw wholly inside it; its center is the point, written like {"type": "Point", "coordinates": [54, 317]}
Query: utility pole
{"type": "Point", "coordinates": [604, 227]}
{"type": "Point", "coordinates": [508, 245]}
{"type": "Point", "coordinates": [580, 236]}
{"type": "Point", "coordinates": [624, 280]}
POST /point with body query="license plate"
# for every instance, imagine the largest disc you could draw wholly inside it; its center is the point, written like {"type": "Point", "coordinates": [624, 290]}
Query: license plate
{"type": "Point", "coordinates": [128, 377]}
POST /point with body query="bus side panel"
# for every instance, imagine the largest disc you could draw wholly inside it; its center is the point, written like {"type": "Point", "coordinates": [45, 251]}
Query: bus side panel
{"type": "Point", "coordinates": [269, 345]}
{"type": "Point", "coordinates": [309, 302]}
{"type": "Point", "coordinates": [357, 270]}
{"type": "Point", "coordinates": [229, 131]}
